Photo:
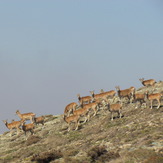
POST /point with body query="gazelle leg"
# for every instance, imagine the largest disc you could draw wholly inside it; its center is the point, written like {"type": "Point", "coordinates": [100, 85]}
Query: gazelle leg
{"type": "Point", "coordinates": [136, 105]}
{"type": "Point", "coordinates": [111, 116]}
{"type": "Point", "coordinates": [158, 104]}
{"type": "Point", "coordinates": [95, 112]}
{"type": "Point", "coordinates": [18, 131]}
{"type": "Point", "coordinates": [88, 117]}
{"type": "Point", "coordinates": [151, 104]}
{"type": "Point", "coordinates": [120, 115]}
{"type": "Point", "coordinates": [32, 132]}
{"type": "Point", "coordinates": [85, 119]}
{"type": "Point", "coordinates": [68, 127]}
{"type": "Point", "coordinates": [77, 124]}
{"type": "Point", "coordinates": [11, 133]}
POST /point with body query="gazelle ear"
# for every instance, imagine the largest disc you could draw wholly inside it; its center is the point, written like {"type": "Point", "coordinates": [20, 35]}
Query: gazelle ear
{"type": "Point", "coordinates": [5, 121]}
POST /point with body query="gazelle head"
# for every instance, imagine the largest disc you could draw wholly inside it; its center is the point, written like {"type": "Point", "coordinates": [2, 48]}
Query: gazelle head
{"type": "Point", "coordinates": [141, 79]}
{"type": "Point", "coordinates": [5, 122]}
{"type": "Point", "coordinates": [117, 88]}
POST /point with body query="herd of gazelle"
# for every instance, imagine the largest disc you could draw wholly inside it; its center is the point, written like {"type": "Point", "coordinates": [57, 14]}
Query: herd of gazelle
{"type": "Point", "coordinates": [87, 104]}
{"type": "Point", "coordinates": [25, 127]}
{"type": "Point", "coordinates": [73, 111]}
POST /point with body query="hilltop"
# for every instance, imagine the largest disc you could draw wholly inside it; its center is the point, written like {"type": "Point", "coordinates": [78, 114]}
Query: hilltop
{"type": "Point", "coordinates": [136, 137]}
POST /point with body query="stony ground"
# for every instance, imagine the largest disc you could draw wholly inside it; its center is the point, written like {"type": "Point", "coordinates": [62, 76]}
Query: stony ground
{"type": "Point", "coordinates": [135, 138]}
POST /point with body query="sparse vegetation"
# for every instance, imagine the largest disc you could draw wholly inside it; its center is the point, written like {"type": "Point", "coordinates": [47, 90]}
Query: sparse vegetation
{"type": "Point", "coordinates": [46, 157]}
{"type": "Point", "coordinates": [100, 154]}
{"type": "Point", "coordinates": [136, 137]}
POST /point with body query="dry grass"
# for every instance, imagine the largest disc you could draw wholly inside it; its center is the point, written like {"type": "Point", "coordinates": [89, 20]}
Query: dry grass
{"type": "Point", "coordinates": [136, 137]}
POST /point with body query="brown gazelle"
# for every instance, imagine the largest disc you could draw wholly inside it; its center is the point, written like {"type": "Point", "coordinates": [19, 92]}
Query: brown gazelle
{"type": "Point", "coordinates": [28, 127]}
{"type": "Point", "coordinates": [115, 108]}
{"type": "Point", "coordinates": [103, 95]}
{"type": "Point", "coordinates": [84, 100]}
{"type": "Point", "coordinates": [39, 120]}
{"type": "Point", "coordinates": [125, 93]}
{"type": "Point", "coordinates": [72, 119]}
{"type": "Point", "coordinates": [70, 108]}
{"type": "Point", "coordinates": [84, 111]}
{"type": "Point", "coordinates": [13, 125]}
{"type": "Point", "coordinates": [154, 96]}
{"type": "Point", "coordinates": [100, 96]}
{"type": "Point", "coordinates": [139, 97]}
{"type": "Point", "coordinates": [108, 93]}
{"type": "Point", "coordinates": [26, 116]}
{"type": "Point", "coordinates": [147, 83]}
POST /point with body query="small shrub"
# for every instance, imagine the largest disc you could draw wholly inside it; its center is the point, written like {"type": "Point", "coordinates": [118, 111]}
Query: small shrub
{"type": "Point", "coordinates": [76, 160]}
{"type": "Point", "coordinates": [145, 155]}
{"type": "Point", "coordinates": [45, 133]}
{"type": "Point", "coordinates": [96, 152]}
{"type": "Point", "coordinates": [32, 140]}
{"type": "Point", "coordinates": [154, 159]}
{"type": "Point", "coordinates": [46, 157]}
{"type": "Point", "coordinates": [71, 152]}
{"type": "Point", "coordinates": [100, 154]}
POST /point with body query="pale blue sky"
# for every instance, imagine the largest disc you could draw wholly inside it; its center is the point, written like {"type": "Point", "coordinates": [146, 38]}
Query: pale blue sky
{"type": "Point", "coordinates": [52, 50]}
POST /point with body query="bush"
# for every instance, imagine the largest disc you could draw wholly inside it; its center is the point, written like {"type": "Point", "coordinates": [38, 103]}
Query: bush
{"type": "Point", "coordinates": [32, 140]}
{"type": "Point", "coordinates": [100, 154]}
{"type": "Point", "coordinates": [46, 157]}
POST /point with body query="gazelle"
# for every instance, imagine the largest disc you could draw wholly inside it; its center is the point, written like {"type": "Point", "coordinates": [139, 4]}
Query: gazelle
{"type": "Point", "coordinates": [115, 108]}
{"type": "Point", "coordinates": [70, 108]}
{"type": "Point", "coordinates": [125, 93]}
{"type": "Point", "coordinates": [39, 120]}
{"type": "Point", "coordinates": [109, 93]}
{"type": "Point", "coordinates": [103, 95]}
{"type": "Point", "coordinates": [100, 96]}
{"type": "Point", "coordinates": [26, 116]}
{"type": "Point", "coordinates": [72, 119]}
{"type": "Point", "coordinates": [13, 125]}
{"type": "Point", "coordinates": [147, 83]}
{"type": "Point", "coordinates": [140, 97]}
{"type": "Point", "coordinates": [154, 96]}
{"type": "Point", "coordinates": [28, 128]}
{"type": "Point", "coordinates": [84, 111]}
{"type": "Point", "coordinates": [84, 100]}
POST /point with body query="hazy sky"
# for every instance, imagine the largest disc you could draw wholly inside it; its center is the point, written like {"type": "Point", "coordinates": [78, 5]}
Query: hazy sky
{"type": "Point", "coordinates": [52, 50]}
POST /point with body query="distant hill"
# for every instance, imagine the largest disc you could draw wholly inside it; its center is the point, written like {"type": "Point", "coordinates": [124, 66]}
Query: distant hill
{"type": "Point", "coordinates": [135, 138]}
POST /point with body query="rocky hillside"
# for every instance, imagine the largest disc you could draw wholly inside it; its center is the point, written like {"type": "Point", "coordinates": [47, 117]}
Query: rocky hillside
{"type": "Point", "coordinates": [135, 138]}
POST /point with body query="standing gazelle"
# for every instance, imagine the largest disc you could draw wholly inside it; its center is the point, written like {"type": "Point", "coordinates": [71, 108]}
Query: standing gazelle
{"type": "Point", "coordinates": [115, 108]}
{"type": "Point", "coordinates": [26, 116]}
{"type": "Point", "coordinates": [70, 108]}
{"type": "Point", "coordinates": [13, 125]}
{"type": "Point", "coordinates": [125, 93]}
{"type": "Point", "coordinates": [149, 82]}
{"type": "Point", "coordinates": [84, 100]}
{"type": "Point", "coordinates": [140, 97]}
{"type": "Point", "coordinates": [154, 96]}
{"type": "Point", "coordinates": [72, 119]}
{"type": "Point", "coordinates": [28, 128]}
{"type": "Point", "coordinates": [103, 95]}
